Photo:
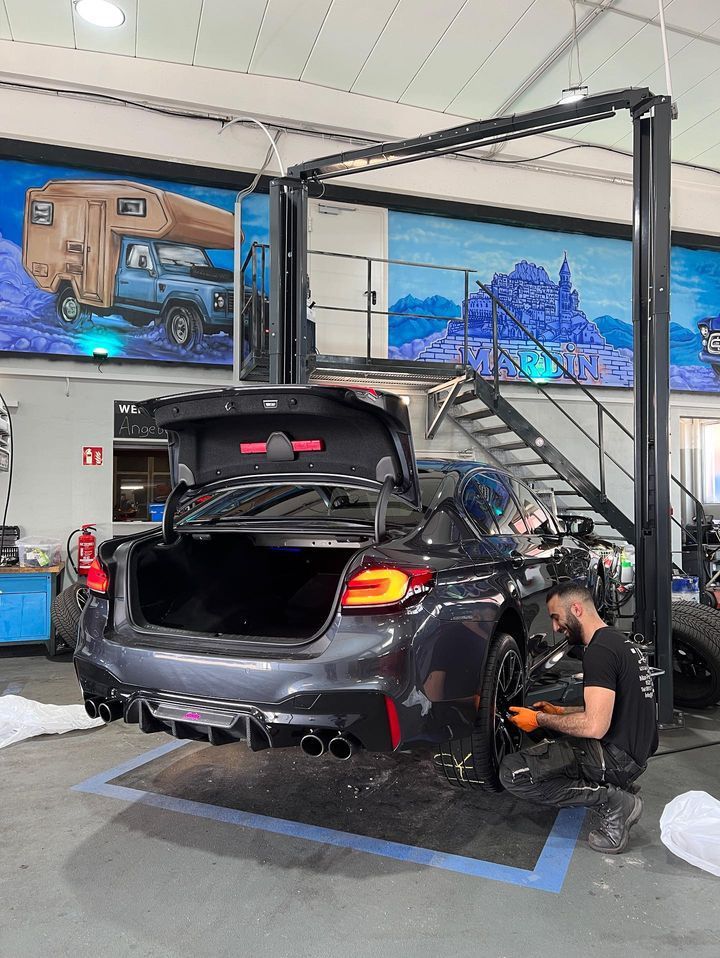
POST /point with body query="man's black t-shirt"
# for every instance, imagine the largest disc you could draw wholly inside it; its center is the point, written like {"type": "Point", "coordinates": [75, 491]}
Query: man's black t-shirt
{"type": "Point", "coordinates": [611, 661]}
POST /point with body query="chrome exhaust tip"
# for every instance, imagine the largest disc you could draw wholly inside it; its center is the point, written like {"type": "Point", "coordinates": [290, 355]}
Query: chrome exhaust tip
{"type": "Point", "coordinates": [111, 710]}
{"type": "Point", "coordinates": [312, 744]}
{"type": "Point", "coordinates": [341, 748]}
{"type": "Point", "coordinates": [91, 709]}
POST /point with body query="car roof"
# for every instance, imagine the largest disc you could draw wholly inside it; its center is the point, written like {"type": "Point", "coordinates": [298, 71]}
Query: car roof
{"type": "Point", "coordinates": [462, 466]}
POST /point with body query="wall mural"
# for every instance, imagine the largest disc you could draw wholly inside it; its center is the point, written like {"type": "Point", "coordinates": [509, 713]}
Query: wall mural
{"type": "Point", "coordinates": [571, 291]}
{"type": "Point", "coordinates": [139, 267]}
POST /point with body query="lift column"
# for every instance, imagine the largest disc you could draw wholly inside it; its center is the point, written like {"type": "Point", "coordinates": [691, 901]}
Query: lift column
{"type": "Point", "coordinates": [288, 346]}
{"type": "Point", "coordinates": [651, 325]}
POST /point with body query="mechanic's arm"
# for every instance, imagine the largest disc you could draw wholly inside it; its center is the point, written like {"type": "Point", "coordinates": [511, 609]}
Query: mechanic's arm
{"type": "Point", "coordinates": [593, 722]}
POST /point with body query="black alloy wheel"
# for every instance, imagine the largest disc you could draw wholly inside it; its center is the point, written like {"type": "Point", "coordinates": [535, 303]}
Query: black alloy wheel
{"type": "Point", "coordinates": [183, 326]}
{"type": "Point", "coordinates": [473, 761]}
{"type": "Point", "coordinates": [70, 312]}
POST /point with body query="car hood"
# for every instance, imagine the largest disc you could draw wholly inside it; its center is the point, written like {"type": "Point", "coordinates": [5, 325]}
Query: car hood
{"type": "Point", "coordinates": [320, 433]}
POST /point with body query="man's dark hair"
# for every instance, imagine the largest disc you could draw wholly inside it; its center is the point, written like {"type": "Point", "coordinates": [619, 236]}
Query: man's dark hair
{"type": "Point", "coordinates": [571, 592]}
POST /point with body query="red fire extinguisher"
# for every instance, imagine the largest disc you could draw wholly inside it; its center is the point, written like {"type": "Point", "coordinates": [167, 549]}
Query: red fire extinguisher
{"type": "Point", "coordinates": [86, 549]}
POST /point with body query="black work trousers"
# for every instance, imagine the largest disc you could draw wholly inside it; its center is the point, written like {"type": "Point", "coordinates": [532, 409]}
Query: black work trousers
{"type": "Point", "coordinates": [567, 771]}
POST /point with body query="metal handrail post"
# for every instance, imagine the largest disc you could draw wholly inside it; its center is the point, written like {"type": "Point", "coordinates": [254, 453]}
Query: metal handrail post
{"type": "Point", "coordinates": [466, 317]}
{"type": "Point", "coordinates": [601, 451]}
{"type": "Point", "coordinates": [495, 352]}
{"type": "Point", "coordinates": [369, 309]}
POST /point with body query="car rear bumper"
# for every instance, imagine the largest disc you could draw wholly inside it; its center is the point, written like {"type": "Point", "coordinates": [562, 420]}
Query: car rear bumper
{"type": "Point", "coordinates": [361, 714]}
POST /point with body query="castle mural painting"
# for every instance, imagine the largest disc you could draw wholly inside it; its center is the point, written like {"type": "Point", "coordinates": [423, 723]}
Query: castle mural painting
{"type": "Point", "coordinates": [140, 268]}
{"type": "Point", "coordinates": [571, 292]}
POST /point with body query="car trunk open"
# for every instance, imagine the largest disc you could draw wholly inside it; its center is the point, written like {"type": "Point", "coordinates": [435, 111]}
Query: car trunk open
{"type": "Point", "coordinates": [237, 584]}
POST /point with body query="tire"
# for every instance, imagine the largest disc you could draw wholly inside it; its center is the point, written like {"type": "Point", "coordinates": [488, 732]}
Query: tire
{"type": "Point", "coordinates": [184, 326]}
{"type": "Point", "coordinates": [599, 593]}
{"type": "Point", "coordinates": [716, 370]}
{"type": "Point", "coordinates": [71, 313]}
{"type": "Point", "coordinates": [473, 760]}
{"type": "Point", "coordinates": [66, 609]}
{"type": "Point", "coordinates": [696, 655]}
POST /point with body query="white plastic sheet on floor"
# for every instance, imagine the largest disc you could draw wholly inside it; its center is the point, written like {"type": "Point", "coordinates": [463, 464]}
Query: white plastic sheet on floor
{"type": "Point", "coordinates": [690, 828]}
{"type": "Point", "coordinates": [22, 718]}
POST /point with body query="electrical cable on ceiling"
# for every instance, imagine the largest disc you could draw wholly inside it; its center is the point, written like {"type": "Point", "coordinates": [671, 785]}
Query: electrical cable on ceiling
{"type": "Point", "coordinates": [251, 119]}
{"type": "Point", "coordinates": [11, 452]}
{"type": "Point", "coordinates": [666, 57]}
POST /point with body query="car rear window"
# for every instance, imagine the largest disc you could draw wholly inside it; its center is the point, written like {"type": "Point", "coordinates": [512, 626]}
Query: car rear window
{"type": "Point", "coordinates": [300, 501]}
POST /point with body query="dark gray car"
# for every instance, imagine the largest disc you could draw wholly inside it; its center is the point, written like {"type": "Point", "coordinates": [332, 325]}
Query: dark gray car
{"type": "Point", "coordinates": [313, 586]}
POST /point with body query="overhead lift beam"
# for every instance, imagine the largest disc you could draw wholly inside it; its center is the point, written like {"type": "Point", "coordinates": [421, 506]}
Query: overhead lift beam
{"type": "Point", "coordinates": [651, 116]}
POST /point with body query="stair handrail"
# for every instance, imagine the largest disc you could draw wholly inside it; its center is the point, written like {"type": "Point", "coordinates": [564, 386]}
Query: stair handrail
{"type": "Point", "coordinates": [700, 515]}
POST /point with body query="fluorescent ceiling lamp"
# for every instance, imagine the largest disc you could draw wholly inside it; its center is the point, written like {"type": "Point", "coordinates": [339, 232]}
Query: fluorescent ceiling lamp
{"type": "Point", "coordinates": [101, 13]}
{"type": "Point", "coordinates": [131, 488]}
{"type": "Point", "coordinates": [573, 94]}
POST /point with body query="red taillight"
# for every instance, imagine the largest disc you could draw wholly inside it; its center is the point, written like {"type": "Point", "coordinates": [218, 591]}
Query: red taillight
{"type": "Point", "coordinates": [300, 445]}
{"type": "Point", "coordinates": [393, 722]}
{"type": "Point", "coordinates": [97, 578]}
{"type": "Point", "coordinates": [384, 585]}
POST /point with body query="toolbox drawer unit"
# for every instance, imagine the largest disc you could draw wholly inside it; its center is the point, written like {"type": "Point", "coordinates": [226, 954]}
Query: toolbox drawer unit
{"type": "Point", "coordinates": [25, 602]}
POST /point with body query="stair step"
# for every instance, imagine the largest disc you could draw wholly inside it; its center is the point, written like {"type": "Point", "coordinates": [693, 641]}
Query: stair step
{"type": "Point", "coordinates": [508, 447]}
{"type": "Point", "coordinates": [464, 398]}
{"type": "Point", "coordinates": [532, 462]}
{"type": "Point", "coordinates": [479, 414]}
{"type": "Point", "coordinates": [494, 431]}
{"type": "Point", "coordinates": [538, 478]}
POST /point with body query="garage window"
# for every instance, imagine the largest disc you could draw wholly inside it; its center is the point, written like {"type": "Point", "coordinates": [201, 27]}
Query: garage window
{"type": "Point", "coordinates": [141, 478]}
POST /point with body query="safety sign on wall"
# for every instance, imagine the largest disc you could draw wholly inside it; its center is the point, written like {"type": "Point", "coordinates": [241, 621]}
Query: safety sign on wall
{"type": "Point", "coordinates": [92, 456]}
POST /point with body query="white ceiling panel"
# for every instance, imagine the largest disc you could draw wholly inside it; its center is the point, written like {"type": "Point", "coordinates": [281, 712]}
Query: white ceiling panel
{"type": "Point", "coordinates": [709, 157]}
{"type": "Point", "coordinates": [470, 39]}
{"type": "Point", "coordinates": [597, 44]}
{"type": "Point", "coordinates": [227, 35]}
{"type": "Point", "coordinates": [167, 29]}
{"type": "Point", "coordinates": [691, 14]}
{"type": "Point", "coordinates": [119, 40]}
{"type": "Point", "coordinates": [42, 21]}
{"type": "Point", "coordinates": [287, 36]}
{"type": "Point", "coordinates": [697, 104]}
{"type": "Point", "coordinates": [688, 67]}
{"type": "Point", "coordinates": [698, 139]}
{"type": "Point", "coordinates": [535, 35]}
{"type": "Point", "coordinates": [350, 31]}
{"type": "Point", "coordinates": [714, 30]}
{"type": "Point", "coordinates": [409, 37]}
{"type": "Point", "coordinates": [5, 33]}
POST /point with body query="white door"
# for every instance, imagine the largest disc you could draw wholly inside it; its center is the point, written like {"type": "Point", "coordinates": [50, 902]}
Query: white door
{"type": "Point", "coordinates": [339, 284]}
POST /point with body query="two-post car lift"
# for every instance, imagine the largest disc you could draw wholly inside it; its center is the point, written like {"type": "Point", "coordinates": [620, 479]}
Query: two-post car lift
{"type": "Point", "coordinates": [651, 117]}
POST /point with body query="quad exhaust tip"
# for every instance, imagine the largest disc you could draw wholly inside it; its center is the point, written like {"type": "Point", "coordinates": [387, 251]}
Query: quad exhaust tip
{"type": "Point", "coordinates": [313, 744]}
{"type": "Point", "coordinates": [110, 711]}
{"type": "Point", "coordinates": [341, 748]}
{"type": "Point", "coordinates": [91, 708]}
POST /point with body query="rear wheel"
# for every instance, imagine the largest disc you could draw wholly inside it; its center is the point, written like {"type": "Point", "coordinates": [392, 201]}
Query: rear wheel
{"type": "Point", "coordinates": [70, 311]}
{"type": "Point", "coordinates": [696, 655]}
{"type": "Point", "coordinates": [183, 326]}
{"type": "Point", "coordinates": [473, 760]}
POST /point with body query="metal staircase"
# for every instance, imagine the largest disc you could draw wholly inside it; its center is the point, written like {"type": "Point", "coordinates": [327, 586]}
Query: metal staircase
{"type": "Point", "coordinates": [578, 481]}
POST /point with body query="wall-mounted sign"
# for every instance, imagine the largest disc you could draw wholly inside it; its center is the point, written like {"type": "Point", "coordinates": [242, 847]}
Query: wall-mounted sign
{"type": "Point", "coordinates": [92, 456]}
{"type": "Point", "coordinates": [132, 422]}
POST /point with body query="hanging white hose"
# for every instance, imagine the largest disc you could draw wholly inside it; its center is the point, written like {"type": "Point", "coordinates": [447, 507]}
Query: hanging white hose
{"type": "Point", "coordinates": [251, 119]}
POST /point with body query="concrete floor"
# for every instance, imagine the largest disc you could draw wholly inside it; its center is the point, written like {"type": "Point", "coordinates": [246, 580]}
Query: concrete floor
{"type": "Point", "coordinates": [85, 874]}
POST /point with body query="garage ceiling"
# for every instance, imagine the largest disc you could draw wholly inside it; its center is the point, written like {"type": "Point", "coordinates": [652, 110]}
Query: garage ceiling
{"type": "Point", "coordinates": [468, 58]}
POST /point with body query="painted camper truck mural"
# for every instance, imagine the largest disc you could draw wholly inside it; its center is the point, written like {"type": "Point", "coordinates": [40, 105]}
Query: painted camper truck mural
{"type": "Point", "coordinates": [112, 247]}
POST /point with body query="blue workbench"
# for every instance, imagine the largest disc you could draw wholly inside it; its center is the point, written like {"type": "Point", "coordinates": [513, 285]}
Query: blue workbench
{"type": "Point", "coordinates": [26, 596]}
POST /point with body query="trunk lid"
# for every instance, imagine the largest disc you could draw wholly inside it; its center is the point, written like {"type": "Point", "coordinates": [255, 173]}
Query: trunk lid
{"type": "Point", "coordinates": [319, 433]}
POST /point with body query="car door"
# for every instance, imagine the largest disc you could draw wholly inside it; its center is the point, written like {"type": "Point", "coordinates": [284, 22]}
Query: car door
{"type": "Point", "coordinates": [530, 558]}
{"type": "Point", "coordinates": [137, 277]}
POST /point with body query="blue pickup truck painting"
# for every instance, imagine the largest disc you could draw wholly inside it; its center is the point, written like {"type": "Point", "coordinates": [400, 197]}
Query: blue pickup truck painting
{"type": "Point", "coordinates": [113, 247]}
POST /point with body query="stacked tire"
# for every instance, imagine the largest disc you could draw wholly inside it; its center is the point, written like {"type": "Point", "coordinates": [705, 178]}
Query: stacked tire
{"type": "Point", "coordinates": [66, 610]}
{"type": "Point", "coordinates": [696, 655]}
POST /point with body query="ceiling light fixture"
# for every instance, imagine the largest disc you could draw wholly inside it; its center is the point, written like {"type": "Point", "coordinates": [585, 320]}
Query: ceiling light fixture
{"type": "Point", "coordinates": [573, 93]}
{"type": "Point", "coordinates": [101, 13]}
{"type": "Point", "coordinates": [575, 90]}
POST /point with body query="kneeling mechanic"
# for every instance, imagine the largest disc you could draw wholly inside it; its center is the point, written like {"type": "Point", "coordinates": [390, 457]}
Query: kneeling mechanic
{"type": "Point", "coordinates": [604, 744]}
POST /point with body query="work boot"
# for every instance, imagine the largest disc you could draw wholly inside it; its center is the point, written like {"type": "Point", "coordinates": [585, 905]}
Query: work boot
{"type": "Point", "coordinates": [618, 813]}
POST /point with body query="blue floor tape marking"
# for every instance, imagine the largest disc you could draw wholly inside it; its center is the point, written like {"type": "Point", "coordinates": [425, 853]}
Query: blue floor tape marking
{"type": "Point", "coordinates": [548, 874]}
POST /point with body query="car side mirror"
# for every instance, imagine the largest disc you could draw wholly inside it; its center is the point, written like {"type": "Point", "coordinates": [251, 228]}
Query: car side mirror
{"type": "Point", "coordinates": [142, 262]}
{"type": "Point", "coordinates": [580, 526]}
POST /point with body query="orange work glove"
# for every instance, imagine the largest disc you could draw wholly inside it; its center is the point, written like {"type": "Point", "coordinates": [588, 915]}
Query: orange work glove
{"type": "Point", "coordinates": [548, 708]}
{"type": "Point", "coordinates": [526, 719]}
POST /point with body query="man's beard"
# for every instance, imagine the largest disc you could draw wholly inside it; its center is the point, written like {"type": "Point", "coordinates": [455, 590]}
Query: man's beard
{"type": "Point", "coordinates": [573, 630]}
